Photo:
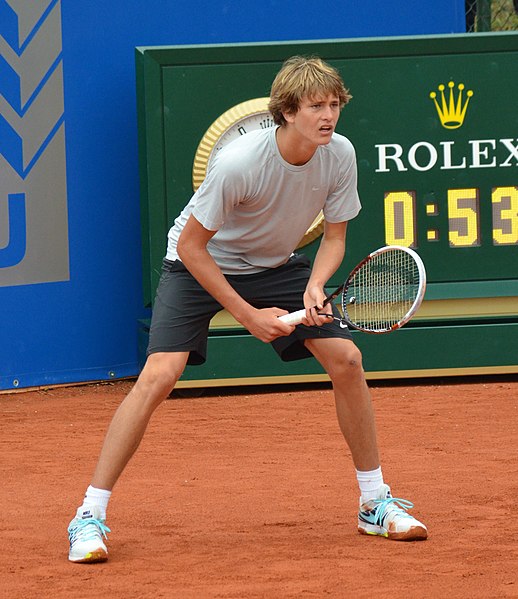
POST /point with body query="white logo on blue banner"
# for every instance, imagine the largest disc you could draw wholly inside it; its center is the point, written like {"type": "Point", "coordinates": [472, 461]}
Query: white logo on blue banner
{"type": "Point", "coordinates": [33, 195]}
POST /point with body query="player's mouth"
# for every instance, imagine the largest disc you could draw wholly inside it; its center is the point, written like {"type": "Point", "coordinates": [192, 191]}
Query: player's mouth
{"type": "Point", "coordinates": [327, 129]}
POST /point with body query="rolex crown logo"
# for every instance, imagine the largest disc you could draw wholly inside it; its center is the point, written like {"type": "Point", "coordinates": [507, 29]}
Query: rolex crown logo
{"type": "Point", "coordinates": [451, 110]}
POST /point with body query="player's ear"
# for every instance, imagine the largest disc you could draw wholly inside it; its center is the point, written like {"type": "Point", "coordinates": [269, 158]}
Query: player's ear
{"type": "Point", "coordinates": [289, 117]}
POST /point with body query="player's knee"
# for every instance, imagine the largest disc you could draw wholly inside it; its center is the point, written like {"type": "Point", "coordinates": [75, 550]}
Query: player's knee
{"type": "Point", "coordinates": [158, 377]}
{"type": "Point", "coordinates": [347, 364]}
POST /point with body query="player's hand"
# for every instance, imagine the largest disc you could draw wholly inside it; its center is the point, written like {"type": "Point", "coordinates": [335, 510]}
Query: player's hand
{"type": "Point", "coordinates": [315, 310]}
{"type": "Point", "coordinates": [265, 324]}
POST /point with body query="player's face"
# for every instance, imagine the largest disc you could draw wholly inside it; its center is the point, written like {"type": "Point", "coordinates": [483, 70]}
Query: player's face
{"type": "Point", "coordinates": [316, 118]}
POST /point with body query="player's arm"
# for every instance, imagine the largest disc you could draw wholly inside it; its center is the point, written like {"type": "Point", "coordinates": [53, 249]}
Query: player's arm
{"type": "Point", "coordinates": [192, 250]}
{"type": "Point", "coordinates": [328, 259]}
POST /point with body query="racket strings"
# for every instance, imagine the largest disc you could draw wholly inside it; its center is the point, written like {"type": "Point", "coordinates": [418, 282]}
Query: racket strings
{"type": "Point", "coordinates": [382, 291]}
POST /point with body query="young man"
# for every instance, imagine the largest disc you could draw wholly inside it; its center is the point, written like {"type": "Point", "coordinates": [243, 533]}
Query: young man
{"type": "Point", "coordinates": [232, 247]}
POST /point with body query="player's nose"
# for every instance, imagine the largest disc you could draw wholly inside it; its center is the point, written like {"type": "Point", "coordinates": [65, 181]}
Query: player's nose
{"type": "Point", "coordinates": [327, 114]}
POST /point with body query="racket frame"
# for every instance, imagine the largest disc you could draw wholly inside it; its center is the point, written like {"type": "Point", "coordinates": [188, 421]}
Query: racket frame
{"type": "Point", "coordinates": [413, 308]}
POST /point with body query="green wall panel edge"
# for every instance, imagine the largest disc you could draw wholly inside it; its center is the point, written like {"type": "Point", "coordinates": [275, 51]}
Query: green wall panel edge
{"type": "Point", "coordinates": [409, 352]}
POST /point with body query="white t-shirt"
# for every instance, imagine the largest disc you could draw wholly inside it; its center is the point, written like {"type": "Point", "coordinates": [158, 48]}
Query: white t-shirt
{"type": "Point", "coordinates": [261, 206]}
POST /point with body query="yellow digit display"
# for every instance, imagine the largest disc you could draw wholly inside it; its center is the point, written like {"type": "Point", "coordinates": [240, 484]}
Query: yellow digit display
{"type": "Point", "coordinates": [463, 217]}
{"type": "Point", "coordinates": [400, 222]}
{"type": "Point", "coordinates": [505, 215]}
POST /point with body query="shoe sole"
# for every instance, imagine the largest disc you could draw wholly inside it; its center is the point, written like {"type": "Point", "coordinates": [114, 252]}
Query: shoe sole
{"type": "Point", "coordinates": [416, 533]}
{"type": "Point", "coordinates": [90, 558]}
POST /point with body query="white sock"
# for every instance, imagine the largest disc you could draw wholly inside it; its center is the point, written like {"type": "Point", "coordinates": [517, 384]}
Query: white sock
{"type": "Point", "coordinates": [369, 481]}
{"type": "Point", "coordinates": [98, 497]}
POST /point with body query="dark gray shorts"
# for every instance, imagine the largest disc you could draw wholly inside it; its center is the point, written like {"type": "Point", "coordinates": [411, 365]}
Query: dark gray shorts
{"type": "Point", "coordinates": [183, 309]}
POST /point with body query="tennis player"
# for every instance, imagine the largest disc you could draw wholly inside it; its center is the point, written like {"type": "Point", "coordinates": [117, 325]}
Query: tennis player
{"type": "Point", "coordinates": [233, 247]}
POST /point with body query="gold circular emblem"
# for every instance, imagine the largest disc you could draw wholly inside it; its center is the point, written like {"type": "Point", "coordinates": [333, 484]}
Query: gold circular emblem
{"type": "Point", "coordinates": [236, 121]}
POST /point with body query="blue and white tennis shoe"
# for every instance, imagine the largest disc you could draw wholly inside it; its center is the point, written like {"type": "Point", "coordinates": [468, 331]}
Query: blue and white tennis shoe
{"type": "Point", "coordinates": [386, 516]}
{"type": "Point", "coordinates": [85, 533]}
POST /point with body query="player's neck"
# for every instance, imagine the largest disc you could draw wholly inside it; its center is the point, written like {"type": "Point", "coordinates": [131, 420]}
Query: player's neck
{"type": "Point", "coordinates": [294, 148]}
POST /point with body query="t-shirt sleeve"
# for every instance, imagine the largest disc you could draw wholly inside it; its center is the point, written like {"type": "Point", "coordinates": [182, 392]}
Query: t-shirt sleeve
{"type": "Point", "coordinates": [222, 190]}
{"type": "Point", "coordinates": [343, 203]}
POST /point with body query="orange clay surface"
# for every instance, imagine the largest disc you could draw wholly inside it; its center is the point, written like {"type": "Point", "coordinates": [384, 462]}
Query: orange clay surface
{"type": "Point", "coordinates": [250, 493]}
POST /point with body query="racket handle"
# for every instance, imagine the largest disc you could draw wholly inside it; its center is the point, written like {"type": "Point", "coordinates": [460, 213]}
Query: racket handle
{"type": "Point", "coordinates": [293, 317]}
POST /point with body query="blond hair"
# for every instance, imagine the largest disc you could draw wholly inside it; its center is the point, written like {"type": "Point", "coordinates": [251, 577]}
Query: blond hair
{"type": "Point", "coordinates": [301, 77]}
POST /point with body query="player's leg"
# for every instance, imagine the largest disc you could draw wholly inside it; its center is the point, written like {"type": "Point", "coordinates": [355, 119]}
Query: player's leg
{"type": "Point", "coordinates": [87, 530]}
{"type": "Point", "coordinates": [342, 361]}
{"type": "Point", "coordinates": [155, 383]}
{"type": "Point", "coordinates": [179, 327]}
{"type": "Point", "coordinates": [379, 513]}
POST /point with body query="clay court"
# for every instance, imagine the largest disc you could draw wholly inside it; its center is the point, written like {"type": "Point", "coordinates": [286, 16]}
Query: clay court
{"type": "Point", "coordinates": [250, 493]}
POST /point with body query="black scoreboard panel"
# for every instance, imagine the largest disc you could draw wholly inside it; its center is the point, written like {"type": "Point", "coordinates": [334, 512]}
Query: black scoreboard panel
{"type": "Point", "coordinates": [435, 127]}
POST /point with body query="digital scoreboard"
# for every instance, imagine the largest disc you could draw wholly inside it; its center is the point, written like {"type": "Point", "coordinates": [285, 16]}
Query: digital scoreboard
{"type": "Point", "coordinates": [434, 121]}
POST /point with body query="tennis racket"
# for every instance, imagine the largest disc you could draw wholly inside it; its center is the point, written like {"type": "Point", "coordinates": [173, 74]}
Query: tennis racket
{"type": "Point", "coordinates": [381, 294]}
